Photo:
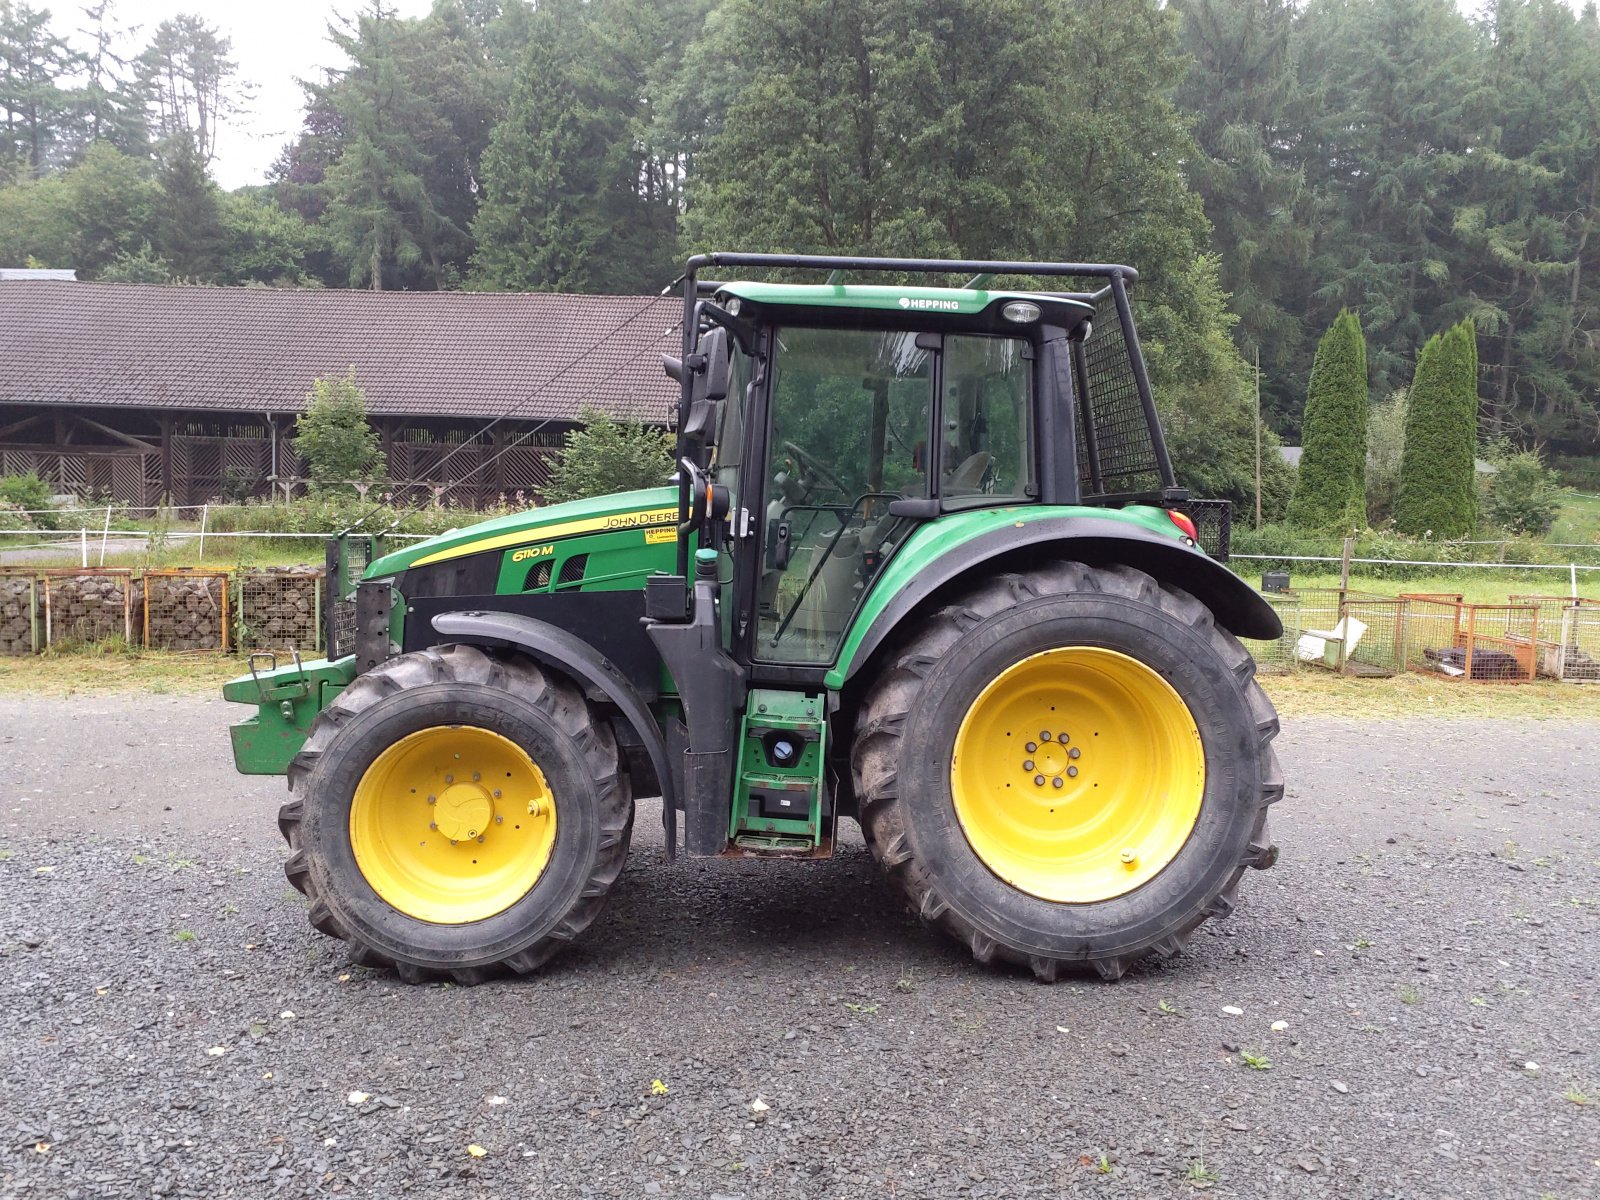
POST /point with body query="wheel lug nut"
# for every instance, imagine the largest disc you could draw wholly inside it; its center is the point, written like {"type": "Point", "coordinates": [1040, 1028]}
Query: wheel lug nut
{"type": "Point", "coordinates": [1062, 738]}
{"type": "Point", "coordinates": [476, 777]}
{"type": "Point", "coordinates": [449, 778]}
{"type": "Point", "coordinates": [497, 793]}
{"type": "Point", "coordinates": [1074, 753]}
{"type": "Point", "coordinates": [1038, 780]}
{"type": "Point", "coordinates": [480, 841]}
{"type": "Point", "coordinates": [499, 820]}
{"type": "Point", "coordinates": [1059, 782]}
{"type": "Point", "coordinates": [1130, 857]}
{"type": "Point", "coordinates": [1028, 766]}
{"type": "Point", "coordinates": [432, 825]}
{"type": "Point", "coordinates": [1073, 772]}
{"type": "Point", "coordinates": [1031, 747]}
{"type": "Point", "coordinates": [452, 841]}
{"type": "Point", "coordinates": [433, 799]}
{"type": "Point", "coordinates": [1044, 735]}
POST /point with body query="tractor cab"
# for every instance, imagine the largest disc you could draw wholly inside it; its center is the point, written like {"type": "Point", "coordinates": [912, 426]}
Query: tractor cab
{"type": "Point", "coordinates": [822, 426]}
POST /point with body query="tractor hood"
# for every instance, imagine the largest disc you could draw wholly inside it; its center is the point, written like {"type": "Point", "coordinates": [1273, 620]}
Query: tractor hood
{"type": "Point", "coordinates": [625, 510]}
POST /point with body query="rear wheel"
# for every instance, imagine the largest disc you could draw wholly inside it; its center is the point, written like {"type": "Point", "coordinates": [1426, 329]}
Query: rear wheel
{"type": "Point", "coordinates": [457, 814]}
{"type": "Point", "coordinates": [1070, 765]}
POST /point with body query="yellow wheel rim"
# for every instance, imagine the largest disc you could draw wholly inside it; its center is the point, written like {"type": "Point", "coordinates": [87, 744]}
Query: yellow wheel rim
{"type": "Point", "coordinates": [452, 824]}
{"type": "Point", "coordinates": [1077, 774]}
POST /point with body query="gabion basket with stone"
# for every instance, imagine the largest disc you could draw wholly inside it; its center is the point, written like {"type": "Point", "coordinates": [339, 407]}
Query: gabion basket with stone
{"type": "Point", "coordinates": [280, 609]}
{"type": "Point", "coordinates": [186, 610]}
{"type": "Point", "coordinates": [94, 606]}
{"type": "Point", "coordinates": [19, 614]}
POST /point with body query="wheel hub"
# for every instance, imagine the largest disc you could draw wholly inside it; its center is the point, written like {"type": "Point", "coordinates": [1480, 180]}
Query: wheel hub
{"type": "Point", "coordinates": [464, 811]}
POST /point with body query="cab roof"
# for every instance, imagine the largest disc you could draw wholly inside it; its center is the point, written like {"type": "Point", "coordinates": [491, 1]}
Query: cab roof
{"type": "Point", "coordinates": [912, 301]}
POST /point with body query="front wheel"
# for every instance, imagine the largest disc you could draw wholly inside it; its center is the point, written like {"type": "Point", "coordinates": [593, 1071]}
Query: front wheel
{"type": "Point", "coordinates": [457, 814]}
{"type": "Point", "coordinates": [1069, 765]}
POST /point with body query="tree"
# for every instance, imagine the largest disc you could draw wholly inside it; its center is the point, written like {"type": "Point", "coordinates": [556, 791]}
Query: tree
{"type": "Point", "coordinates": [1523, 495]}
{"type": "Point", "coordinates": [107, 107]}
{"type": "Point", "coordinates": [109, 201]}
{"type": "Point", "coordinates": [32, 63]}
{"type": "Point", "coordinates": [333, 438]}
{"type": "Point", "coordinates": [1438, 478]}
{"type": "Point", "coordinates": [263, 243]}
{"type": "Point", "coordinates": [381, 211]}
{"type": "Point", "coordinates": [145, 266]}
{"type": "Point", "coordinates": [572, 202]}
{"type": "Point", "coordinates": [1242, 88]}
{"type": "Point", "coordinates": [189, 229]}
{"type": "Point", "coordinates": [1330, 490]}
{"type": "Point", "coordinates": [188, 82]}
{"type": "Point", "coordinates": [608, 455]}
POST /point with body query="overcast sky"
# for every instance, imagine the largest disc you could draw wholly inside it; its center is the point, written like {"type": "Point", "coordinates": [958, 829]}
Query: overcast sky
{"type": "Point", "coordinates": [275, 42]}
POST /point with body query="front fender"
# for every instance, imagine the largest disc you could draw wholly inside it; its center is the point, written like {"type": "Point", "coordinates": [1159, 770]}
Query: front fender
{"type": "Point", "coordinates": [912, 578]}
{"type": "Point", "coordinates": [572, 656]}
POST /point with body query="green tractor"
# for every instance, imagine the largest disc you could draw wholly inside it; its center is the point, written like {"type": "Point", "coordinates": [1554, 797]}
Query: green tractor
{"type": "Point", "coordinates": [924, 565]}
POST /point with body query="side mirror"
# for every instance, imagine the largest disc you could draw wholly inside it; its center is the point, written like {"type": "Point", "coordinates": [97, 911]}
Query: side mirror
{"type": "Point", "coordinates": [719, 363]}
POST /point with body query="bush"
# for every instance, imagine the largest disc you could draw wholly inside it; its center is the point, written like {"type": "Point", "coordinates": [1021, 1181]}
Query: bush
{"type": "Point", "coordinates": [31, 493]}
{"type": "Point", "coordinates": [1330, 491]}
{"type": "Point", "coordinates": [607, 456]}
{"type": "Point", "coordinates": [1523, 495]}
{"type": "Point", "coordinates": [334, 439]}
{"type": "Point", "coordinates": [322, 515]}
{"type": "Point", "coordinates": [13, 519]}
{"type": "Point", "coordinates": [1386, 440]}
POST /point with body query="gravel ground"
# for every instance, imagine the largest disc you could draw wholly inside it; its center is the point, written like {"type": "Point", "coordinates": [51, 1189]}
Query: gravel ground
{"type": "Point", "coordinates": [176, 1029]}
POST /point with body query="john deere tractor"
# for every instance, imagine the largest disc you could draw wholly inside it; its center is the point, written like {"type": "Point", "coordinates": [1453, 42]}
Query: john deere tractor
{"type": "Point", "coordinates": [924, 565]}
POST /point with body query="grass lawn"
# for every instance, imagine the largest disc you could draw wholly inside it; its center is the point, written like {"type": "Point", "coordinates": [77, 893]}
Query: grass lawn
{"type": "Point", "coordinates": [155, 671]}
{"type": "Point", "coordinates": [1474, 586]}
{"type": "Point", "coordinates": [1578, 521]}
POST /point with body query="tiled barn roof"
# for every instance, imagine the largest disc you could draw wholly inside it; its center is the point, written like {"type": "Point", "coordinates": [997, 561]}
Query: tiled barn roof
{"type": "Point", "coordinates": [450, 354]}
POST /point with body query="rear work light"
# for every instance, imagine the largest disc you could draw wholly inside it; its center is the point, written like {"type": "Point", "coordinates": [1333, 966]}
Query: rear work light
{"type": "Point", "coordinates": [1184, 522]}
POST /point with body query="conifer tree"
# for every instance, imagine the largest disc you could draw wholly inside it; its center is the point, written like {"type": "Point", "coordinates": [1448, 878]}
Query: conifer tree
{"type": "Point", "coordinates": [1438, 485]}
{"type": "Point", "coordinates": [1331, 491]}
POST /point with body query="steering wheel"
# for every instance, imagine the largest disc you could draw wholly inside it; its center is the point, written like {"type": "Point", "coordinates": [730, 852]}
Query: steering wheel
{"type": "Point", "coordinates": [810, 462]}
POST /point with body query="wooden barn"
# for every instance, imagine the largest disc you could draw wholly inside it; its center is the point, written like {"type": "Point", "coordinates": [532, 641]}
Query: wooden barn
{"type": "Point", "coordinates": [190, 393]}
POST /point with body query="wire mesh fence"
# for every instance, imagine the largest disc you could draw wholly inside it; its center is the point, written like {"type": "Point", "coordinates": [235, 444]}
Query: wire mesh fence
{"type": "Point", "coordinates": [19, 613]}
{"type": "Point", "coordinates": [1480, 643]}
{"type": "Point", "coordinates": [279, 610]}
{"type": "Point", "coordinates": [1569, 636]}
{"type": "Point", "coordinates": [1277, 657]}
{"type": "Point", "coordinates": [86, 607]}
{"type": "Point", "coordinates": [186, 610]}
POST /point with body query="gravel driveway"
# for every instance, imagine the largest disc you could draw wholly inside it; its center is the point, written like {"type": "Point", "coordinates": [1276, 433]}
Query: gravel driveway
{"type": "Point", "coordinates": [174, 1028]}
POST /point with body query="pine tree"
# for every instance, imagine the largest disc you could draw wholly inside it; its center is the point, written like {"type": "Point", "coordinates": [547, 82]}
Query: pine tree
{"type": "Point", "coordinates": [189, 230]}
{"type": "Point", "coordinates": [563, 205]}
{"type": "Point", "coordinates": [1330, 491]}
{"type": "Point", "coordinates": [34, 108]}
{"type": "Point", "coordinates": [1438, 483]}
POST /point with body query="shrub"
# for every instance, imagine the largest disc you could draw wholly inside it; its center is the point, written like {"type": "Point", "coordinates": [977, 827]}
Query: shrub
{"type": "Point", "coordinates": [31, 493]}
{"type": "Point", "coordinates": [1438, 484]}
{"type": "Point", "coordinates": [1386, 440]}
{"type": "Point", "coordinates": [333, 437]}
{"type": "Point", "coordinates": [12, 518]}
{"type": "Point", "coordinates": [1523, 495]}
{"type": "Point", "coordinates": [1330, 491]}
{"type": "Point", "coordinates": [607, 456]}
